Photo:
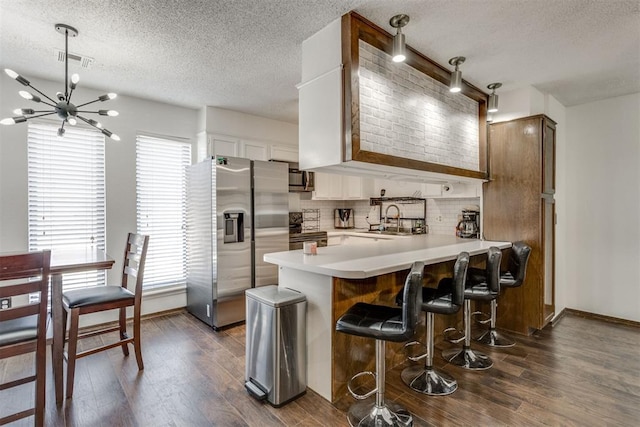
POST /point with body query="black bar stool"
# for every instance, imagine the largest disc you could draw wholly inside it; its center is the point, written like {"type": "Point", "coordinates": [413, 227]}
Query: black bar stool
{"type": "Point", "coordinates": [446, 299]}
{"type": "Point", "coordinates": [383, 323]}
{"type": "Point", "coordinates": [513, 277]}
{"type": "Point", "coordinates": [483, 291]}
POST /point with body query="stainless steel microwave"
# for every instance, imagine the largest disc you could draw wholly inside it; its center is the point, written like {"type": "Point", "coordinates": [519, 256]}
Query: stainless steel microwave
{"type": "Point", "coordinates": [299, 180]}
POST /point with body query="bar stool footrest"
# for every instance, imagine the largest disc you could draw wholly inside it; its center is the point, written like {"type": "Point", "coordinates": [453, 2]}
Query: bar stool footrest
{"type": "Point", "coordinates": [411, 345]}
{"type": "Point", "coordinates": [367, 414]}
{"type": "Point", "coordinates": [367, 394]}
{"type": "Point", "coordinates": [453, 335]}
{"type": "Point", "coordinates": [480, 317]}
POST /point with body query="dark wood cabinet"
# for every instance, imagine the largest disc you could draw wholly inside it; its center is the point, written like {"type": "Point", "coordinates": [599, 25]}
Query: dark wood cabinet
{"type": "Point", "coordinates": [519, 205]}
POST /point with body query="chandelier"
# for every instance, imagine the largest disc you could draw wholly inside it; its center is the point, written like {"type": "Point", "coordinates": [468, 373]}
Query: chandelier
{"type": "Point", "coordinates": [68, 112]}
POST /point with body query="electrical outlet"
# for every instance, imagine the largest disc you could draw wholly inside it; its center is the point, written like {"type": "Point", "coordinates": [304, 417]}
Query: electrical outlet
{"type": "Point", "coordinates": [5, 303]}
{"type": "Point", "coordinates": [439, 218]}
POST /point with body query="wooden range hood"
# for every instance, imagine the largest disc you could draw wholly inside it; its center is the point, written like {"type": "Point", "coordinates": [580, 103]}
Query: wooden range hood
{"type": "Point", "coordinates": [330, 110]}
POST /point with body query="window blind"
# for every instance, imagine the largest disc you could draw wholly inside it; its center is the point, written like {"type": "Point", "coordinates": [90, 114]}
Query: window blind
{"type": "Point", "coordinates": [66, 186]}
{"type": "Point", "coordinates": [161, 207]}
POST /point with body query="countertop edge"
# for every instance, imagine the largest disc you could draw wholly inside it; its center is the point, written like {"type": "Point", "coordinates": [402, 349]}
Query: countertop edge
{"type": "Point", "coordinates": [349, 268]}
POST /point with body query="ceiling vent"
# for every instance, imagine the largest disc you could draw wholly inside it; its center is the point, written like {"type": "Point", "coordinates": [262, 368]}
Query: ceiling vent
{"type": "Point", "coordinates": [84, 61]}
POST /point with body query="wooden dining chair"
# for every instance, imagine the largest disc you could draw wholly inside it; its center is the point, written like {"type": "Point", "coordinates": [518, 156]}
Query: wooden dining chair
{"type": "Point", "coordinates": [101, 298]}
{"type": "Point", "coordinates": [23, 328]}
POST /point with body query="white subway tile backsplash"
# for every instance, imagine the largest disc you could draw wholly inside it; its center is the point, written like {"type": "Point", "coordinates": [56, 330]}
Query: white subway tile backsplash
{"type": "Point", "coordinates": [443, 215]}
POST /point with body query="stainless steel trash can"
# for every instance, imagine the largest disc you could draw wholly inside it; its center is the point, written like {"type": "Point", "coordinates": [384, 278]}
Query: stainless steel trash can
{"type": "Point", "coordinates": [276, 351]}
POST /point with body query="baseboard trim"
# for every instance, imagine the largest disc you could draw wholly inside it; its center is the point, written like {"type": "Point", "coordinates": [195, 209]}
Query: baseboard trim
{"type": "Point", "coordinates": [587, 315]}
{"type": "Point", "coordinates": [556, 320]}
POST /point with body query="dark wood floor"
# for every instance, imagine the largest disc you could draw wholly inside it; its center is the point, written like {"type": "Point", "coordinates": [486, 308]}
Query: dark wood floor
{"type": "Point", "coordinates": [582, 372]}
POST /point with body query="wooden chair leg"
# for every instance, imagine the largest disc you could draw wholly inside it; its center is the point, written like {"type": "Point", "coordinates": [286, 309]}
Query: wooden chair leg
{"type": "Point", "coordinates": [136, 338]}
{"type": "Point", "coordinates": [41, 375]}
{"type": "Point", "coordinates": [123, 329]}
{"type": "Point", "coordinates": [72, 350]}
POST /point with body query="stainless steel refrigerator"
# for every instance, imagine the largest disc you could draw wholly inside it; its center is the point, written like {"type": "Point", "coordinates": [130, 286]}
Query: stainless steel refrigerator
{"type": "Point", "coordinates": [237, 210]}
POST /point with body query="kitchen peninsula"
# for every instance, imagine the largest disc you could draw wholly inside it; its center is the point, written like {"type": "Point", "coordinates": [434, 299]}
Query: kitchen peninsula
{"type": "Point", "coordinates": [341, 275]}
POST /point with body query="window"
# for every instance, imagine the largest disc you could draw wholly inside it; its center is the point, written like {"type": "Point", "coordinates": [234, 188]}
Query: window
{"type": "Point", "coordinates": [161, 205]}
{"type": "Point", "coordinates": [66, 193]}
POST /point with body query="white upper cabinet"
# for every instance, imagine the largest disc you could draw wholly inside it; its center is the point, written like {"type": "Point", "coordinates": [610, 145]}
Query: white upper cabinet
{"type": "Point", "coordinates": [357, 188]}
{"type": "Point", "coordinates": [254, 150]}
{"type": "Point", "coordinates": [330, 186]}
{"type": "Point", "coordinates": [285, 153]}
{"type": "Point", "coordinates": [222, 145]}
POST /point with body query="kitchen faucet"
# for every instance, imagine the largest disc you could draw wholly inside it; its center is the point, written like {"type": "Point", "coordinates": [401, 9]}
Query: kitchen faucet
{"type": "Point", "coordinates": [386, 214]}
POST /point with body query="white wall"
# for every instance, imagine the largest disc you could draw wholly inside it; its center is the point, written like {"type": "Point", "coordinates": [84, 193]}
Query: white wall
{"type": "Point", "coordinates": [247, 126]}
{"type": "Point", "coordinates": [136, 115]}
{"type": "Point", "coordinates": [603, 207]}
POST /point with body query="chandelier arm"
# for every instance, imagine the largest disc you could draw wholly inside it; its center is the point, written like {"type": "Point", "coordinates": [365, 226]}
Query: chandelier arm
{"type": "Point", "coordinates": [85, 111]}
{"type": "Point", "coordinates": [41, 115]}
{"type": "Point", "coordinates": [36, 89]}
{"type": "Point", "coordinates": [87, 121]}
{"type": "Point", "coordinates": [38, 111]}
{"type": "Point", "coordinates": [87, 103]}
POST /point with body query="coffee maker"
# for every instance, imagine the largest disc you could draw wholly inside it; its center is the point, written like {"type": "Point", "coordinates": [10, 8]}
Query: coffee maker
{"type": "Point", "coordinates": [343, 218]}
{"type": "Point", "coordinates": [469, 226]}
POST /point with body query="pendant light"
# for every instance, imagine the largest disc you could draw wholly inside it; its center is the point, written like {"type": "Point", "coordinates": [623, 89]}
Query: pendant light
{"type": "Point", "coordinates": [399, 48]}
{"type": "Point", "coordinates": [493, 98]}
{"type": "Point", "coordinates": [63, 107]}
{"type": "Point", "coordinates": [456, 77]}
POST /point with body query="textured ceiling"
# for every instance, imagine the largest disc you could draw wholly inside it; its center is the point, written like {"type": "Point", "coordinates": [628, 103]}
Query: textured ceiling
{"type": "Point", "coordinates": [245, 55]}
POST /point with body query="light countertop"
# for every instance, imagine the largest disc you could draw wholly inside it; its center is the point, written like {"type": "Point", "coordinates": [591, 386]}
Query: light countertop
{"type": "Point", "coordinates": [362, 260]}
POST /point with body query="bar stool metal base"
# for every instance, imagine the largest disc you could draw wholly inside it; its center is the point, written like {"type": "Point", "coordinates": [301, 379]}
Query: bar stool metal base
{"type": "Point", "coordinates": [493, 338]}
{"type": "Point", "coordinates": [429, 381]}
{"type": "Point", "coordinates": [367, 414]}
{"type": "Point", "coordinates": [468, 359]}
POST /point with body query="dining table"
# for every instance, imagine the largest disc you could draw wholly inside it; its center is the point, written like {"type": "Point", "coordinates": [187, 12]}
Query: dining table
{"type": "Point", "coordinates": [64, 261]}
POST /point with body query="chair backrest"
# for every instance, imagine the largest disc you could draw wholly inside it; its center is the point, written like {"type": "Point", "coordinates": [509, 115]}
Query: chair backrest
{"type": "Point", "coordinates": [459, 278]}
{"type": "Point", "coordinates": [135, 254]}
{"type": "Point", "coordinates": [412, 298]}
{"type": "Point", "coordinates": [494, 257]}
{"type": "Point", "coordinates": [518, 261]}
{"type": "Point", "coordinates": [23, 274]}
